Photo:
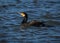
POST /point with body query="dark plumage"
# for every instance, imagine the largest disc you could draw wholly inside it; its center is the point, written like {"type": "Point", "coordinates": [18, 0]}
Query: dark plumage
{"type": "Point", "coordinates": [31, 23]}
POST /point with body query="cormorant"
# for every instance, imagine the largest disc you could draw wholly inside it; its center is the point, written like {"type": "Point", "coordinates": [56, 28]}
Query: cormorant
{"type": "Point", "coordinates": [35, 23]}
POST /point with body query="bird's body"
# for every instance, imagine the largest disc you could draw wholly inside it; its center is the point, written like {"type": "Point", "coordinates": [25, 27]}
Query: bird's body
{"type": "Point", "coordinates": [31, 23]}
{"type": "Point", "coordinates": [36, 23]}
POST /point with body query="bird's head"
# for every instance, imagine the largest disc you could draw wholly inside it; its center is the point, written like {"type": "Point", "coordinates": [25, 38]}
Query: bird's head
{"type": "Point", "coordinates": [23, 14]}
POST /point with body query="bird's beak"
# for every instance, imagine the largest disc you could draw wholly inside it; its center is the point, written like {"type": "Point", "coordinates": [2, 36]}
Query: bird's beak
{"type": "Point", "coordinates": [22, 14]}
{"type": "Point", "coordinates": [18, 13]}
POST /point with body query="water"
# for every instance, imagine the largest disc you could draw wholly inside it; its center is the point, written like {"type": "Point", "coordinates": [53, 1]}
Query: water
{"type": "Point", "coordinates": [42, 10]}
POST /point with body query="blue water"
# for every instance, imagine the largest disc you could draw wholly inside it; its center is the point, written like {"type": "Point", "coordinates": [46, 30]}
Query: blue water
{"type": "Point", "coordinates": [42, 10]}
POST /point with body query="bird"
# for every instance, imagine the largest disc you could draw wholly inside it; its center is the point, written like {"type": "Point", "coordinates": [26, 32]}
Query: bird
{"type": "Point", "coordinates": [25, 22]}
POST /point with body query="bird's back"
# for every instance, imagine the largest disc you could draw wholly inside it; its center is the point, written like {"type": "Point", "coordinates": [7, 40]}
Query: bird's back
{"type": "Point", "coordinates": [36, 23]}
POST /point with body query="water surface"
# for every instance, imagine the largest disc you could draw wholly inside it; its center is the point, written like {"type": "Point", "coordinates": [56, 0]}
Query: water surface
{"type": "Point", "coordinates": [42, 10]}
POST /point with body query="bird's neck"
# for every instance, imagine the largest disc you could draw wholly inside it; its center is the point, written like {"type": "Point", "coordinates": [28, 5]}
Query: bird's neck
{"type": "Point", "coordinates": [25, 20]}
